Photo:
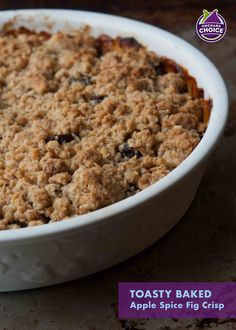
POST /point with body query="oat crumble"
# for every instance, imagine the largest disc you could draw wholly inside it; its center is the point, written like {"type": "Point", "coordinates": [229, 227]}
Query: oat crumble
{"type": "Point", "coordinates": [86, 122]}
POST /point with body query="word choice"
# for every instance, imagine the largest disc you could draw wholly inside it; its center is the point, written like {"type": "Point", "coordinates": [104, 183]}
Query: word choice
{"type": "Point", "coordinates": [211, 30]}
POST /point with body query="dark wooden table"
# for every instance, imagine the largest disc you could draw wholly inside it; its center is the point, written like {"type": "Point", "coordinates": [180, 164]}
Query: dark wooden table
{"type": "Point", "coordinates": [200, 248]}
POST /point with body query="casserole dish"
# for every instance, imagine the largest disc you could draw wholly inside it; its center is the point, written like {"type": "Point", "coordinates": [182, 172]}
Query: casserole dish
{"type": "Point", "coordinates": [62, 251]}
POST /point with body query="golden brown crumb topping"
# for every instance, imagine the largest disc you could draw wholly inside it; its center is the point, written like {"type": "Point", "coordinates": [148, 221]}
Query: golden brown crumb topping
{"type": "Point", "coordinates": [86, 122]}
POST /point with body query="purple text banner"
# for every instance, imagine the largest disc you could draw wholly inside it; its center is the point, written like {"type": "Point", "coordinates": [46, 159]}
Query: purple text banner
{"type": "Point", "coordinates": [177, 300]}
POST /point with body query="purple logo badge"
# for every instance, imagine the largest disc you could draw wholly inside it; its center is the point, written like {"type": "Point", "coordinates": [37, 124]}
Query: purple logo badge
{"type": "Point", "coordinates": [211, 26]}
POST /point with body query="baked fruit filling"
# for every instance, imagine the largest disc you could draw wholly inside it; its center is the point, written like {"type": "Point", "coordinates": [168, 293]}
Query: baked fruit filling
{"type": "Point", "coordinates": [86, 122]}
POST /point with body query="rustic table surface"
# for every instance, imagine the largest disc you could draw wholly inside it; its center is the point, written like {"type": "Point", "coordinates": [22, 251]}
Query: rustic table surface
{"type": "Point", "coordinates": [200, 248]}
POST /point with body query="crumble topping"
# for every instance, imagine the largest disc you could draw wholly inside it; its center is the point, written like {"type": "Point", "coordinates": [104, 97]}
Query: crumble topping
{"type": "Point", "coordinates": [86, 122]}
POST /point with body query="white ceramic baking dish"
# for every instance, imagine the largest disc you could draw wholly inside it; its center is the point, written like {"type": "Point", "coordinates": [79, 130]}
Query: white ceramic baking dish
{"type": "Point", "coordinates": [58, 252]}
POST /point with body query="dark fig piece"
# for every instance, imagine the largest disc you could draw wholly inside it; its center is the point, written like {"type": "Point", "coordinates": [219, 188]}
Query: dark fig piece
{"type": "Point", "coordinates": [84, 79]}
{"type": "Point", "coordinates": [20, 224]}
{"type": "Point", "coordinates": [132, 189]}
{"type": "Point", "coordinates": [61, 138]}
{"type": "Point", "coordinates": [130, 152]}
{"type": "Point", "coordinates": [129, 42]}
{"type": "Point", "coordinates": [159, 69]}
{"type": "Point", "coordinates": [44, 218]}
{"type": "Point", "coordinates": [96, 99]}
